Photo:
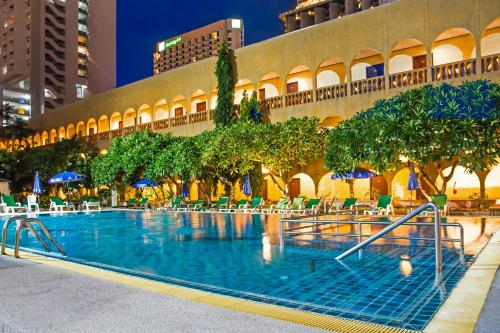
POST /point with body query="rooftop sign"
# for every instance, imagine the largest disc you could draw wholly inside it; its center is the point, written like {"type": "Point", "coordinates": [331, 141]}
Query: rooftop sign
{"type": "Point", "coordinates": [169, 43]}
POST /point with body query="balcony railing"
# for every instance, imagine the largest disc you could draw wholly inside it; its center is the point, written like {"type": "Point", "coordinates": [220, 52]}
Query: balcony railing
{"type": "Point", "coordinates": [331, 92]}
{"type": "Point", "coordinates": [368, 85]}
{"type": "Point", "coordinates": [161, 124]}
{"type": "Point", "coordinates": [145, 126]}
{"type": "Point", "coordinates": [301, 97]}
{"type": "Point", "coordinates": [410, 78]}
{"type": "Point", "coordinates": [129, 130]}
{"type": "Point", "coordinates": [490, 63]}
{"type": "Point", "coordinates": [116, 133]}
{"type": "Point", "coordinates": [178, 121]}
{"type": "Point", "coordinates": [272, 103]}
{"type": "Point", "coordinates": [198, 117]}
{"type": "Point", "coordinates": [103, 136]}
{"type": "Point", "coordinates": [454, 70]}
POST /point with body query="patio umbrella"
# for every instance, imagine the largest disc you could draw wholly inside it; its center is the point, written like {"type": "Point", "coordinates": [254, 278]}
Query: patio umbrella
{"type": "Point", "coordinates": [357, 173]}
{"type": "Point", "coordinates": [144, 183]}
{"type": "Point", "coordinates": [185, 191]}
{"type": "Point", "coordinates": [412, 182]}
{"type": "Point", "coordinates": [37, 185]}
{"type": "Point", "coordinates": [66, 178]}
{"type": "Point", "coordinates": [247, 188]}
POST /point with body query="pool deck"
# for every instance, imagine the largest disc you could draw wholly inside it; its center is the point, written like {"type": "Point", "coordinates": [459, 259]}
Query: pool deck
{"type": "Point", "coordinates": [40, 298]}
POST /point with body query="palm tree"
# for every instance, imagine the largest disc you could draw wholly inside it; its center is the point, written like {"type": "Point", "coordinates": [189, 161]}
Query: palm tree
{"type": "Point", "coordinates": [18, 128]}
{"type": "Point", "coordinates": [6, 112]}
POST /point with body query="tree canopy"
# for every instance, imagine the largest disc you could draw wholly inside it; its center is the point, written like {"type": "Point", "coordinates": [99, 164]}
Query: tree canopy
{"type": "Point", "coordinates": [225, 71]}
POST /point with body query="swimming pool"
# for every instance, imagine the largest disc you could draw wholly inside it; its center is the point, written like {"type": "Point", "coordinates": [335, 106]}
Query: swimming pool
{"type": "Point", "coordinates": [239, 255]}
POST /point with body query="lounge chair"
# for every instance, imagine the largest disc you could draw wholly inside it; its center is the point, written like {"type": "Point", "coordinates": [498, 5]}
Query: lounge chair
{"type": "Point", "coordinates": [196, 206]}
{"type": "Point", "coordinates": [297, 206]}
{"type": "Point", "coordinates": [255, 205]}
{"type": "Point", "coordinates": [131, 203]}
{"type": "Point", "coordinates": [240, 205]}
{"type": "Point", "coordinates": [56, 204]}
{"type": "Point", "coordinates": [10, 204]}
{"type": "Point", "coordinates": [346, 207]}
{"type": "Point", "coordinates": [91, 203]}
{"type": "Point", "coordinates": [32, 202]}
{"type": "Point", "coordinates": [175, 204]}
{"type": "Point", "coordinates": [143, 203]}
{"type": "Point", "coordinates": [383, 207]}
{"type": "Point", "coordinates": [312, 206]}
{"type": "Point", "coordinates": [221, 204]}
{"type": "Point", "coordinates": [282, 204]}
{"type": "Point", "coordinates": [441, 201]}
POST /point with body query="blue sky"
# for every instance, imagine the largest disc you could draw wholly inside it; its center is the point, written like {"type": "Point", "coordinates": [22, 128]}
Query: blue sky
{"type": "Point", "coordinates": [143, 23]}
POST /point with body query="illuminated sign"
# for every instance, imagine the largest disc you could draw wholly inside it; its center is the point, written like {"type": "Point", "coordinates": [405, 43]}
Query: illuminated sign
{"type": "Point", "coordinates": [235, 24]}
{"type": "Point", "coordinates": [165, 45]}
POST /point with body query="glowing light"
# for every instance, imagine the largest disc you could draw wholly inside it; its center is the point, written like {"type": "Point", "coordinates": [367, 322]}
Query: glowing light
{"type": "Point", "coordinates": [267, 252]}
{"type": "Point", "coordinates": [406, 267]}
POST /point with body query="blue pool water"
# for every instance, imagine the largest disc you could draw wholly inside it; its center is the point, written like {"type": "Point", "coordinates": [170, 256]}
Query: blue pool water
{"type": "Point", "coordinates": [239, 255]}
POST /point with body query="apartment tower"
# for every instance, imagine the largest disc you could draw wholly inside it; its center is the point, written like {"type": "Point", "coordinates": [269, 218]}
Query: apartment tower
{"type": "Point", "coordinates": [55, 52]}
{"type": "Point", "coordinates": [197, 45]}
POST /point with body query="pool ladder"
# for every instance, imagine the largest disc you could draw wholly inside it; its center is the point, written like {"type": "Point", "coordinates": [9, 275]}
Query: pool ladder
{"type": "Point", "coordinates": [27, 223]}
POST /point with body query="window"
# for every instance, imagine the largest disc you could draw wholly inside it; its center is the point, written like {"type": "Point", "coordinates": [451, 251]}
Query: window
{"type": "Point", "coordinates": [4, 70]}
{"type": "Point", "coordinates": [83, 28]}
{"type": "Point", "coordinates": [80, 91]}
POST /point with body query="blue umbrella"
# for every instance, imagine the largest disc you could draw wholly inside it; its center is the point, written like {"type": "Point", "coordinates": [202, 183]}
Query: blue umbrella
{"type": "Point", "coordinates": [66, 177]}
{"type": "Point", "coordinates": [145, 183]}
{"type": "Point", "coordinates": [185, 191]}
{"type": "Point", "coordinates": [358, 173]}
{"type": "Point", "coordinates": [412, 182]}
{"type": "Point", "coordinates": [37, 185]}
{"type": "Point", "coordinates": [247, 188]}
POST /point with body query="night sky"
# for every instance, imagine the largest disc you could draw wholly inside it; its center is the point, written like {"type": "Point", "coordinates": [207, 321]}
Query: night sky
{"type": "Point", "coordinates": [143, 23]}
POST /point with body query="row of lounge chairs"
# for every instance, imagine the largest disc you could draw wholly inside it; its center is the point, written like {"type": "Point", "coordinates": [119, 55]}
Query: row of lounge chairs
{"type": "Point", "coordinates": [10, 205]}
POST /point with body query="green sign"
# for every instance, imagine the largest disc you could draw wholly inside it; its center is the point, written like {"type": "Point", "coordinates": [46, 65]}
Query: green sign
{"type": "Point", "coordinates": [164, 45]}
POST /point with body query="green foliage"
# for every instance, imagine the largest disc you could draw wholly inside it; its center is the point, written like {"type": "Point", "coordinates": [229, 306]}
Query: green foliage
{"type": "Point", "coordinates": [250, 108]}
{"type": "Point", "coordinates": [433, 126]}
{"type": "Point", "coordinates": [225, 73]}
{"type": "Point", "coordinates": [6, 112]}
{"type": "Point", "coordinates": [17, 128]}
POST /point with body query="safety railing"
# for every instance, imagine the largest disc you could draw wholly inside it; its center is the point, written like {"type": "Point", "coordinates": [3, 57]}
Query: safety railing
{"type": "Point", "coordinates": [27, 223]}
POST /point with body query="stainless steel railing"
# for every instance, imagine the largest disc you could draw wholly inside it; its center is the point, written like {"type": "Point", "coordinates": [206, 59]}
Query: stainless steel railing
{"type": "Point", "coordinates": [23, 222]}
{"type": "Point", "coordinates": [381, 234]}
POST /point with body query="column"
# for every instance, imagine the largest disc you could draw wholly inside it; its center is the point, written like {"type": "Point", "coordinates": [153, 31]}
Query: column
{"type": "Point", "coordinates": [290, 23]}
{"type": "Point", "coordinates": [319, 15]}
{"type": "Point", "coordinates": [349, 7]}
{"type": "Point", "coordinates": [478, 57]}
{"type": "Point", "coordinates": [305, 20]}
{"type": "Point", "coordinates": [366, 4]}
{"type": "Point", "coordinates": [334, 10]}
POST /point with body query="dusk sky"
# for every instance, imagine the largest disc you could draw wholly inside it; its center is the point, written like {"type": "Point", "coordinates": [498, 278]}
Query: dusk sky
{"type": "Point", "coordinates": [143, 23]}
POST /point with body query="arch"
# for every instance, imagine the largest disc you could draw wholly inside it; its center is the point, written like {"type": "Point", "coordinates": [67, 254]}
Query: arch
{"type": "Point", "coordinates": [330, 122]}
{"type": "Point", "coordinates": [242, 86]}
{"type": "Point", "coordinates": [406, 55]}
{"type": "Point", "coordinates": [304, 185]}
{"type": "Point", "coordinates": [115, 121]}
{"type": "Point", "coordinates": [399, 186]}
{"type": "Point", "coordinates": [490, 39]}
{"type": "Point", "coordinates": [16, 143]}
{"type": "Point", "coordinates": [462, 185]}
{"type": "Point", "coordinates": [103, 124]}
{"type": "Point", "coordinates": [299, 79]}
{"type": "Point", "coordinates": [23, 143]}
{"type": "Point", "coordinates": [91, 126]}
{"type": "Point", "coordinates": [144, 114]}
{"type": "Point", "coordinates": [45, 138]}
{"type": "Point", "coordinates": [213, 99]}
{"type": "Point", "coordinates": [129, 117]}
{"type": "Point", "coordinates": [179, 106]}
{"type": "Point", "coordinates": [2, 145]}
{"type": "Point", "coordinates": [492, 183]}
{"type": "Point", "coordinates": [61, 133]}
{"type": "Point", "coordinates": [453, 45]}
{"type": "Point", "coordinates": [199, 101]}
{"type": "Point", "coordinates": [37, 140]}
{"type": "Point", "coordinates": [81, 130]}
{"type": "Point", "coordinates": [160, 110]}
{"type": "Point", "coordinates": [53, 136]}
{"type": "Point", "coordinates": [269, 86]}
{"type": "Point", "coordinates": [331, 72]}
{"type": "Point", "coordinates": [70, 131]}
{"type": "Point", "coordinates": [366, 64]}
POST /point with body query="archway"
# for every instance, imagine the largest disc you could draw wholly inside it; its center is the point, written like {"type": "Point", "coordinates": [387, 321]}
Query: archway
{"type": "Point", "coordinates": [199, 101]}
{"type": "Point", "coordinates": [61, 133]}
{"type": "Point", "coordinates": [116, 121]}
{"type": "Point", "coordinates": [302, 184]}
{"type": "Point", "coordinates": [103, 124]}
{"type": "Point", "coordinates": [490, 47]}
{"type": "Point", "coordinates": [213, 99]}
{"type": "Point", "coordinates": [53, 136]}
{"type": "Point", "coordinates": [179, 106]}
{"type": "Point", "coordinates": [70, 131]}
{"type": "Point", "coordinates": [453, 45]}
{"type": "Point", "coordinates": [330, 122]}
{"type": "Point", "coordinates": [331, 72]}
{"type": "Point", "coordinates": [91, 126]}
{"type": "Point", "coordinates": [160, 110]}
{"type": "Point", "coordinates": [80, 129]}
{"type": "Point", "coordinates": [129, 118]}
{"type": "Point", "coordinates": [299, 79]}
{"type": "Point", "coordinates": [145, 114]}
{"type": "Point", "coordinates": [492, 184]}
{"type": "Point", "coordinates": [407, 55]}
{"type": "Point", "coordinates": [367, 64]}
{"type": "Point", "coordinates": [37, 140]}
{"type": "Point", "coordinates": [462, 186]}
{"type": "Point", "coordinates": [45, 138]}
{"type": "Point", "coordinates": [269, 86]}
{"type": "Point", "coordinates": [242, 86]}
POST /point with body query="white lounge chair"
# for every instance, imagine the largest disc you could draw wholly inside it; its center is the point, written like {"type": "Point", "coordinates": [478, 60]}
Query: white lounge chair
{"type": "Point", "coordinates": [57, 204]}
{"type": "Point", "coordinates": [32, 203]}
{"type": "Point", "coordinates": [91, 203]}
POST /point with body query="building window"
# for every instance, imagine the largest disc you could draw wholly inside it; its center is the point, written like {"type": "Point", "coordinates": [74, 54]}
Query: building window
{"type": "Point", "coordinates": [80, 91]}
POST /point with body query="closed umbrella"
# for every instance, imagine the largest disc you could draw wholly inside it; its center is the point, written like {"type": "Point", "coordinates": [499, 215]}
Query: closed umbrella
{"type": "Point", "coordinates": [185, 191]}
{"type": "Point", "coordinates": [412, 182]}
{"type": "Point", "coordinates": [247, 188]}
{"type": "Point", "coordinates": [37, 185]}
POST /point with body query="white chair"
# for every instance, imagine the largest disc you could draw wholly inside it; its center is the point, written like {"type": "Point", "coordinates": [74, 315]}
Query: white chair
{"type": "Point", "coordinates": [32, 203]}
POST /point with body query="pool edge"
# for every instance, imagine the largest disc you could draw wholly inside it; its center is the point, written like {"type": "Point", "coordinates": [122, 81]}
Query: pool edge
{"type": "Point", "coordinates": [460, 312]}
{"type": "Point", "coordinates": [301, 317]}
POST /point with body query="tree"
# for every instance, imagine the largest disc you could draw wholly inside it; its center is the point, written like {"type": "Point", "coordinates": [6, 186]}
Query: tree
{"type": "Point", "coordinates": [288, 146]}
{"type": "Point", "coordinates": [433, 127]}
{"type": "Point", "coordinates": [225, 73]}
{"type": "Point", "coordinates": [17, 128]}
{"type": "Point", "coordinates": [6, 112]}
{"type": "Point", "coordinates": [250, 108]}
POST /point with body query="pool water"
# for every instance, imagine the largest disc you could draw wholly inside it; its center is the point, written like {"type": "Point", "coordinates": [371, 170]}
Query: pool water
{"type": "Point", "coordinates": [239, 255]}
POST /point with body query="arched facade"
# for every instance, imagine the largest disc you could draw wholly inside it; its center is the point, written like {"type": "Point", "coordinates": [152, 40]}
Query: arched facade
{"type": "Point", "coordinates": [331, 72]}
{"type": "Point", "coordinates": [129, 118]}
{"type": "Point", "coordinates": [103, 124]}
{"type": "Point", "coordinates": [269, 86]}
{"type": "Point", "coordinates": [70, 131]}
{"type": "Point", "coordinates": [160, 110]}
{"type": "Point", "coordinates": [407, 55]}
{"type": "Point", "coordinates": [453, 45]}
{"type": "Point", "coordinates": [179, 106]}
{"type": "Point", "coordinates": [144, 114]}
{"type": "Point", "coordinates": [243, 86]}
{"type": "Point", "coordinates": [91, 126]}
{"type": "Point", "coordinates": [366, 64]}
{"type": "Point", "coordinates": [490, 39]}
{"type": "Point", "coordinates": [199, 101]}
{"type": "Point", "coordinates": [116, 121]}
{"type": "Point", "coordinates": [299, 79]}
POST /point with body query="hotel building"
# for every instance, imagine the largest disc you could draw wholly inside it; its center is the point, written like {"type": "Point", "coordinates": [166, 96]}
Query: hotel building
{"type": "Point", "coordinates": [330, 71]}
{"type": "Point", "coordinates": [55, 52]}
{"type": "Point", "coordinates": [197, 45]}
{"type": "Point", "coordinates": [311, 12]}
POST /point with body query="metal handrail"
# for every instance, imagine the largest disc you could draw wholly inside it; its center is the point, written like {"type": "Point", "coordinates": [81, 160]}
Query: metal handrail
{"type": "Point", "coordinates": [27, 222]}
{"type": "Point", "coordinates": [404, 219]}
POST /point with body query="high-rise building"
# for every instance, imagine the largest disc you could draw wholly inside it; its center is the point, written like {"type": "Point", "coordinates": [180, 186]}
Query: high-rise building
{"type": "Point", "coordinates": [55, 52]}
{"type": "Point", "coordinates": [197, 45]}
{"type": "Point", "coordinates": [311, 12]}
